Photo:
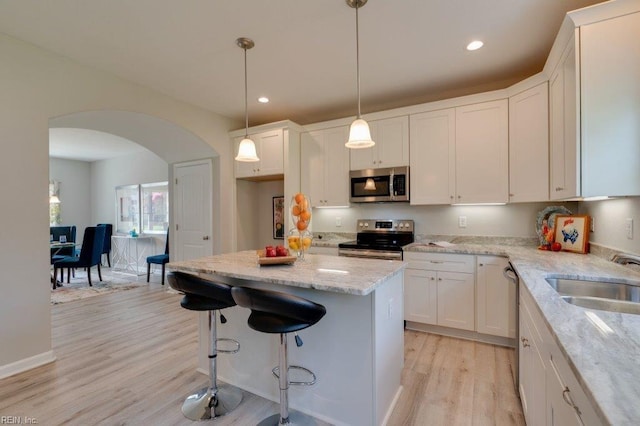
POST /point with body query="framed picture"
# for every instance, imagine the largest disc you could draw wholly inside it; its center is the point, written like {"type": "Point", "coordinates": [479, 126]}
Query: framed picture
{"type": "Point", "coordinates": [278, 218]}
{"type": "Point", "coordinates": [127, 208]}
{"type": "Point", "coordinates": [572, 232]}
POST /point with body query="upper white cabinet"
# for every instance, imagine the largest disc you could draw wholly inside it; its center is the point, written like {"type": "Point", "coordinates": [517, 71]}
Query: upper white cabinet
{"type": "Point", "coordinates": [564, 131]}
{"type": "Point", "coordinates": [324, 166]}
{"type": "Point", "coordinates": [529, 145]}
{"type": "Point", "coordinates": [432, 165]}
{"type": "Point", "coordinates": [391, 136]}
{"type": "Point", "coordinates": [610, 106]}
{"type": "Point", "coordinates": [270, 150]}
{"type": "Point", "coordinates": [460, 155]}
{"type": "Point", "coordinates": [594, 109]}
{"type": "Point", "coordinates": [482, 153]}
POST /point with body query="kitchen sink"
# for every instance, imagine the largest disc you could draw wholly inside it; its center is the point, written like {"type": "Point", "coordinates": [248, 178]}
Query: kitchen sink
{"type": "Point", "coordinates": [601, 295]}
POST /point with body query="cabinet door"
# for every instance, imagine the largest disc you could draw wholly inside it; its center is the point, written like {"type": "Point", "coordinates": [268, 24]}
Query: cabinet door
{"type": "Point", "coordinates": [482, 153]}
{"type": "Point", "coordinates": [312, 166]}
{"type": "Point", "coordinates": [496, 298]}
{"type": "Point", "coordinates": [420, 296]}
{"type": "Point", "coordinates": [336, 172]}
{"type": "Point", "coordinates": [529, 145]}
{"type": "Point", "coordinates": [456, 300]}
{"type": "Point", "coordinates": [559, 412]}
{"type": "Point", "coordinates": [393, 134]}
{"type": "Point", "coordinates": [564, 134]}
{"type": "Point", "coordinates": [432, 161]}
{"type": "Point", "coordinates": [610, 106]}
{"type": "Point", "coordinates": [532, 371]}
{"type": "Point", "coordinates": [271, 152]}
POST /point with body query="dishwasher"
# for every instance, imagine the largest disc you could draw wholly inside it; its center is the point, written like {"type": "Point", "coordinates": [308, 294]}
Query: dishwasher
{"type": "Point", "coordinates": [510, 273]}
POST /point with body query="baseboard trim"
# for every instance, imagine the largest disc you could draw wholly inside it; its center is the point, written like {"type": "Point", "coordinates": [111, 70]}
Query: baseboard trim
{"type": "Point", "coordinates": [461, 334]}
{"type": "Point", "coordinates": [26, 364]}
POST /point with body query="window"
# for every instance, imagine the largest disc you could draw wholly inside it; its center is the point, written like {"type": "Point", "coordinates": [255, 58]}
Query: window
{"type": "Point", "coordinates": [155, 207]}
{"type": "Point", "coordinates": [54, 203]}
{"type": "Point", "coordinates": [143, 208]}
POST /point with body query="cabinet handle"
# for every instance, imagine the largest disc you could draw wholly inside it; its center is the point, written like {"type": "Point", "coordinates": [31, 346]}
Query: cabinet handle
{"type": "Point", "coordinates": [569, 401]}
{"type": "Point", "coordinates": [436, 261]}
{"type": "Point", "coordinates": [432, 279]}
{"type": "Point", "coordinates": [439, 279]}
{"type": "Point", "coordinates": [525, 342]}
{"type": "Point", "coordinates": [451, 197]}
{"type": "Point", "coordinates": [459, 196]}
{"type": "Point", "coordinates": [559, 189]}
{"type": "Point", "coordinates": [511, 195]}
{"type": "Point", "coordinates": [482, 264]}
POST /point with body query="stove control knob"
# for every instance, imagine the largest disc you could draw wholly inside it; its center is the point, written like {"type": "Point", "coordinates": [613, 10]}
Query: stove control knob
{"type": "Point", "coordinates": [360, 225]}
{"type": "Point", "coordinates": [366, 225]}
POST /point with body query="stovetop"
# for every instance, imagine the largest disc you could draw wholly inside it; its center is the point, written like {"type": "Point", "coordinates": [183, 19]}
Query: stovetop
{"type": "Point", "coordinates": [381, 234]}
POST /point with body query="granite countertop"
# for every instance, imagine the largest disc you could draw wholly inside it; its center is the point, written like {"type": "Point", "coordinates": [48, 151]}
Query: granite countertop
{"type": "Point", "coordinates": [331, 239]}
{"type": "Point", "coordinates": [606, 361]}
{"type": "Point", "coordinates": [321, 272]}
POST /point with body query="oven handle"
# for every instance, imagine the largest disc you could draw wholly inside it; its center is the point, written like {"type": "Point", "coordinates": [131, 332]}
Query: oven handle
{"type": "Point", "coordinates": [371, 254]}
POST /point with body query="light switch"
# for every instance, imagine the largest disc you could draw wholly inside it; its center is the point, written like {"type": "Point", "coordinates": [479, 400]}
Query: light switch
{"type": "Point", "coordinates": [338, 221]}
{"type": "Point", "coordinates": [629, 228]}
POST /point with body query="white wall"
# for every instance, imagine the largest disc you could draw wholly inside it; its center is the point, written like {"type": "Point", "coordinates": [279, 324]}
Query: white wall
{"type": "Point", "coordinates": [75, 192]}
{"type": "Point", "coordinates": [609, 222]}
{"type": "Point", "coordinates": [255, 213]}
{"type": "Point", "coordinates": [37, 86]}
{"type": "Point", "coordinates": [513, 220]}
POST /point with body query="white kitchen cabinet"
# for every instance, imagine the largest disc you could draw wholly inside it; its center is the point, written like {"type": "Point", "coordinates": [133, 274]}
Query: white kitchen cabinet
{"type": "Point", "coordinates": [564, 132]}
{"type": "Point", "coordinates": [495, 298]}
{"type": "Point", "coordinates": [440, 289]}
{"type": "Point", "coordinates": [420, 296]}
{"type": "Point", "coordinates": [549, 391]}
{"type": "Point", "coordinates": [270, 150]}
{"type": "Point", "coordinates": [391, 136]}
{"type": "Point", "coordinates": [610, 106]}
{"type": "Point", "coordinates": [432, 160]}
{"type": "Point", "coordinates": [482, 152]}
{"type": "Point", "coordinates": [324, 167]}
{"type": "Point", "coordinates": [529, 145]}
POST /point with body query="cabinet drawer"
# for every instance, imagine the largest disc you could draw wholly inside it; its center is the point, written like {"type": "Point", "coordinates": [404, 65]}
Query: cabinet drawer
{"type": "Point", "coordinates": [441, 261]}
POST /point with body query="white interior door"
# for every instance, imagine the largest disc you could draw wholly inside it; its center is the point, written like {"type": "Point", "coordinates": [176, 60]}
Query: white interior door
{"type": "Point", "coordinates": [193, 210]}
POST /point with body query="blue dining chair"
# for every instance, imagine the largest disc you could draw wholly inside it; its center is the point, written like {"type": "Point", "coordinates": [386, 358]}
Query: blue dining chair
{"type": "Point", "coordinates": [90, 254]}
{"type": "Point", "coordinates": [159, 259]}
{"type": "Point", "coordinates": [106, 247]}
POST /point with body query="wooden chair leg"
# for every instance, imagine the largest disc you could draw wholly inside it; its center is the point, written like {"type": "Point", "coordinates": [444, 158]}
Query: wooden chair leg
{"type": "Point", "coordinates": [89, 276]}
{"type": "Point", "coordinates": [163, 273]}
{"type": "Point", "coordinates": [148, 271]}
{"type": "Point", "coordinates": [99, 272]}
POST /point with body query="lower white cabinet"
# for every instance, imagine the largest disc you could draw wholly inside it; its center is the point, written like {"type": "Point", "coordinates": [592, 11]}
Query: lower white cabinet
{"type": "Point", "coordinates": [549, 391]}
{"type": "Point", "coordinates": [495, 298]}
{"type": "Point", "coordinates": [440, 289]}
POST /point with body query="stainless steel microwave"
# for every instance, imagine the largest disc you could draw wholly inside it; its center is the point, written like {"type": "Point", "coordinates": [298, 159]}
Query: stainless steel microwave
{"type": "Point", "coordinates": [379, 185]}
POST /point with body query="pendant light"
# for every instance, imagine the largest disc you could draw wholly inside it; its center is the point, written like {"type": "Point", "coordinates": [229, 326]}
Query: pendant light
{"type": "Point", "coordinates": [247, 148]}
{"type": "Point", "coordinates": [359, 134]}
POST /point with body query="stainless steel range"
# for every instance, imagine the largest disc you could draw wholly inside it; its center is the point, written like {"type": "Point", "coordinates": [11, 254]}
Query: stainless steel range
{"type": "Point", "coordinates": [379, 239]}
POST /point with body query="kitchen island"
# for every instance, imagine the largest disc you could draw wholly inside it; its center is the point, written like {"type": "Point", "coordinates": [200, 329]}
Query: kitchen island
{"type": "Point", "coordinates": [356, 350]}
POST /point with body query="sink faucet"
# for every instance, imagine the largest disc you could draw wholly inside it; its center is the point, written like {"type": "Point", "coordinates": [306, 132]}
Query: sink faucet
{"type": "Point", "coordinates": [626, 258]}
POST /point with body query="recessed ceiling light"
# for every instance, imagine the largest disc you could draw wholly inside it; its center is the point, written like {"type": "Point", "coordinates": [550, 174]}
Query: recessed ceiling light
{"type": "Point", "coordinates": [263, 100]}
{"type": "Point", "coordinates": [475, 45]}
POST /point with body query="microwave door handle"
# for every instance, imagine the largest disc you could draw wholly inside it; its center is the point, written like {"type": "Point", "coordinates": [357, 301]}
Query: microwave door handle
{"type": "Point", "coordinates": [391, 193]}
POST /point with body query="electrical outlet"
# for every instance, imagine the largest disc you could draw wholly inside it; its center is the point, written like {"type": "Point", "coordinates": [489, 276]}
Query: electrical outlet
{"type": "Point", "coordinates": [629, 228]}
{"type": "Point", "coordinates": [338, 221]}
{"type": "Point", "coordinates": [462, 221]}
{"type": "Point", "coordinates": [592, 226]}
{"type": "Point", "coordinates": [390, 308]}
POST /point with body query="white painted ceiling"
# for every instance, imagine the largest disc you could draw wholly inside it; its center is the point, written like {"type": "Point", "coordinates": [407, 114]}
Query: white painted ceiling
{"type": "Point", "coordinates": [411, 51]}
{"type": "Point", "coordinates": [89, 145]}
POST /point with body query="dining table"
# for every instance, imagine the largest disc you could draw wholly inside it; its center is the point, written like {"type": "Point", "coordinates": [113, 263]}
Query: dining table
{"type": "Point", "coordinates": [55, 248]}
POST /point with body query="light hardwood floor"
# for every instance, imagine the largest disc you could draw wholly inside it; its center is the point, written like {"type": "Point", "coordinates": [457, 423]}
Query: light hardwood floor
{"type": "Point", "coordinates": [129, 358]}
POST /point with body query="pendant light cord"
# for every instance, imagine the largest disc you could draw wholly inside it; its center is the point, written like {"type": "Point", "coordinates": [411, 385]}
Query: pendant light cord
{"type": "Point", "coordinates": [357, 59]}
{"type": "Point", "coordinates": [246, 108]}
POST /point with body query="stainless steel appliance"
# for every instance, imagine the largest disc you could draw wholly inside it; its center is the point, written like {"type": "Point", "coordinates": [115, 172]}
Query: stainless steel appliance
{"type": "Point", "coordinates": [510, 273]}
{"type": "Point", "coordinates": [379, 239]}
{"type": "Point", "coordinates": [379, 185]}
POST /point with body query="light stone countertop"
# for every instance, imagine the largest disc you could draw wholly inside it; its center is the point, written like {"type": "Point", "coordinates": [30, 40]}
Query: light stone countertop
{"type": "Point", "coordinates": [606, 363]}
{"type": "Point", "coordinates": [321, 272]}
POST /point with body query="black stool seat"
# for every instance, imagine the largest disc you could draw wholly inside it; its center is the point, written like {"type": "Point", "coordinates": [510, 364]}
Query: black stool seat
{"type": "Point", "coordinates": [204, 295]}
{"type": "Point", "coordinates": [276, 312]}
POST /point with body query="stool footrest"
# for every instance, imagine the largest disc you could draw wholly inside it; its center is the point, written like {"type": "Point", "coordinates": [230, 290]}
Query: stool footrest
{"type": "Point", "coordinates": [228, 351]}
{"type": "Point", "coordinates": [276, 373]}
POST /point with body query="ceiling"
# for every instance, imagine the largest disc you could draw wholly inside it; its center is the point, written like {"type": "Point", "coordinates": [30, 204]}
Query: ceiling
{"type": "Point", "coordinates": [411, 51]}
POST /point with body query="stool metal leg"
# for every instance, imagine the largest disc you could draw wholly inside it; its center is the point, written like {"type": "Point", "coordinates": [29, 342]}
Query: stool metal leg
{"type": "Point", "coordinates": [212, 401]}
{"type": "Point", "coordinates": [286, 417]}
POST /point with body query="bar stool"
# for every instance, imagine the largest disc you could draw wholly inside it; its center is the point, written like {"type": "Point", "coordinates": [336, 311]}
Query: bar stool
{"type": "Point", "coordinates": [205, 295]}
{"type": "Point", "coordinates": [275, 312]}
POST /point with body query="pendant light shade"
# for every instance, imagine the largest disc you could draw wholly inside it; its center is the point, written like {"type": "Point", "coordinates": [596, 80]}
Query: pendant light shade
{"type": "Point", "coordinates": [247, 148]}
{"type": "Point", "coordinates": [359, 134]}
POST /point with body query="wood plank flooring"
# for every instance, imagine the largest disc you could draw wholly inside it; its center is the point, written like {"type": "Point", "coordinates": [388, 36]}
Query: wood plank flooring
{"type": "Point", "coordinates": [129, 358]}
